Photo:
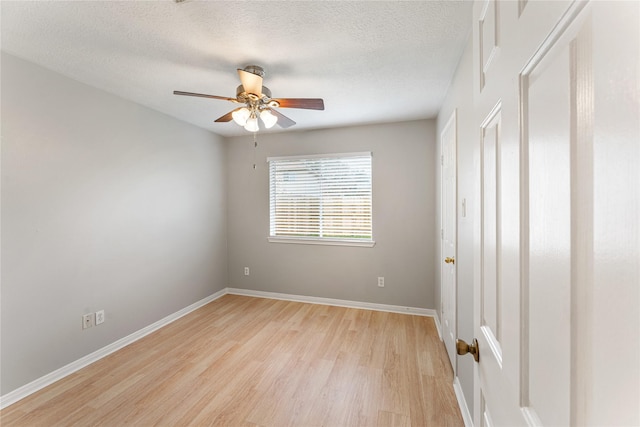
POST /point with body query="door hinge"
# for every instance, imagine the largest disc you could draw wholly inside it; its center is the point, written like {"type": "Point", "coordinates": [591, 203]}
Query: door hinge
{"type": "Point", "coordinates": [442, 233]}
{"type": "Point", "coordinates": [441, 160]}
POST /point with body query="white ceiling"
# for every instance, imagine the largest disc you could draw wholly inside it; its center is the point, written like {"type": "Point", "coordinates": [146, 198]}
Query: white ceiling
{"type": "Point", "coordinates": [371, 61]}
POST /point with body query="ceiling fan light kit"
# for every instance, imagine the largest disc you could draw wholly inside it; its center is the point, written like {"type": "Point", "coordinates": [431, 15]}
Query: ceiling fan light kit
{"type": "Point", "coordinates": [258, 102]}
{"type": "Point", "coordinates": [252, 123]}
{"type": "Point", "coordinates": [268, 119]}
{"type": "Point", "coordinates": [241, 115]}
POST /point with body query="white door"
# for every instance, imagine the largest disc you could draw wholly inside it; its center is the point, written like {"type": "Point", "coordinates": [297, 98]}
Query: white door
{"type": "Point", "coordinates": [448, 287]}
{"type": "Point", "coordinates": [556, 263]}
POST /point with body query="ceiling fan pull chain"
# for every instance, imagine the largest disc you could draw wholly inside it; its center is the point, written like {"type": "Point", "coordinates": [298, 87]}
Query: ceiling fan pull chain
{"type": "Point", "coordinates": [255, 148]}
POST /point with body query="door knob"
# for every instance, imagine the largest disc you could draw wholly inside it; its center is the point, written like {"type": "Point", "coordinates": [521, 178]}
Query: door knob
{"type": "Point", "coordinates": [463, 348]}
{"type": "Point", "coordinates": [449, 260]}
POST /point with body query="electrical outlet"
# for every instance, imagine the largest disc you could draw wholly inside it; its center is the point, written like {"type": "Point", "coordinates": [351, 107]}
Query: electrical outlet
{"type": "Point", "coordinates": [87, 320]}
{"type": "Point", "coordinates": [99, 317]}
{"type": "Point", "coordinates": [381, 282]}
{"type": "Point", "coordinates": [246, 271]}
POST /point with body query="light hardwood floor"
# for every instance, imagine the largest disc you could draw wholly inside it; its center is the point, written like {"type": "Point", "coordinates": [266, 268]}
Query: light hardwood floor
{"type": "Point", "coordinates": [243, 361]}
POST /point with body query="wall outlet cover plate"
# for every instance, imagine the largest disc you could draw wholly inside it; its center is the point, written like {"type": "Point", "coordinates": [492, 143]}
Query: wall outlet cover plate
{"type": "Point", "coordinates": [99, 317]}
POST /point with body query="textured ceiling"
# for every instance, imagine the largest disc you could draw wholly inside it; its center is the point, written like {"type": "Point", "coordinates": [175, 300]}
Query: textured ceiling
{"type": "Point", "coordinates": [371, 61]}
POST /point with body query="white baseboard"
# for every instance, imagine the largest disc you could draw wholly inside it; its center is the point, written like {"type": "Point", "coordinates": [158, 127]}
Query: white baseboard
{"type": "Point", "coordinates": [58, 374]}
{"type": "Point", "coordinates": [436, 318]}
{"type": "Point", "coordinates": [338, 302]}
{"type": "Point", "coordinates": [462, 403]}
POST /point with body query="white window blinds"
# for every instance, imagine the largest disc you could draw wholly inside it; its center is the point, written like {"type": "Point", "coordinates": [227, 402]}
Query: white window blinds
{"type": "Point", "coordinates": [325, 197]}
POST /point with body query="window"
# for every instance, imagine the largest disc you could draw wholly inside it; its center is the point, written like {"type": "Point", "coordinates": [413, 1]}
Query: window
{"type": "Point", "coordinates": [322, 199]}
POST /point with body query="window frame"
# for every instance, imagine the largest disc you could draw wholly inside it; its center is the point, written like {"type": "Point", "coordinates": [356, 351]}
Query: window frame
{"type": "Point", "coordinates": [308, 240]}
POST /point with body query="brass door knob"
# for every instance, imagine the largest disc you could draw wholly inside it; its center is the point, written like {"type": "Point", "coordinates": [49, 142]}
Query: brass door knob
{"type": "Point", "coordinates": [463, 348]}
{"type": "Point", "coordinates": [449, 260]}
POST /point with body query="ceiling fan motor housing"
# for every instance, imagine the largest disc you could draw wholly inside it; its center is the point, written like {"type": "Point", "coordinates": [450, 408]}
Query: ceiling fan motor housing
{"type": "Point", "coordinates": [254, 69]}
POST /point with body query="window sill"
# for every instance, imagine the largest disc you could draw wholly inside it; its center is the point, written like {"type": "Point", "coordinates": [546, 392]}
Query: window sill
{"type": "Point", "coordinates": [326, 242]}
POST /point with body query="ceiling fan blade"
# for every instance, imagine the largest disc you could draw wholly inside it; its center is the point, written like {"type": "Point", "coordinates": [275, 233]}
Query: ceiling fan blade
{"type": "Point", "coordinates": [227, 117]}
{"type": "Point", "coordinates": [251, 83]}
{"type": "Point", "coordinates": [283, 121]}
{"type": "Point", "coordinates": [202, 95]}
{"type": "Point", "coordinates": [306, 103]}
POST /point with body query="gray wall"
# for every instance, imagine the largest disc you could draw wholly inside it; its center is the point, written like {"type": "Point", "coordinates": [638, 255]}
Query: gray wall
{"type": "Point", "coordinates": [403, 218]}
{"type": "Point", "coordinates": [105, 205]}
{"type": "Point", "coordinates": [460, 98]}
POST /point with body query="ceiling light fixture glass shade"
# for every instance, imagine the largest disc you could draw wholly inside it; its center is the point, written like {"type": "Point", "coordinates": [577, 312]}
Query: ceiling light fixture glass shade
{"type": "Point", "coordinates": [268, 118]}
{"type": "Point", "coordinates": [252, 123]}
{"type": "Point", "coordinates": [241, 116]}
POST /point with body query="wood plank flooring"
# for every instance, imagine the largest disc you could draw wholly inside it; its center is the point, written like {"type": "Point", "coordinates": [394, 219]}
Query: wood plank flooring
{"type": "Point", "coordinates": [243, 361]}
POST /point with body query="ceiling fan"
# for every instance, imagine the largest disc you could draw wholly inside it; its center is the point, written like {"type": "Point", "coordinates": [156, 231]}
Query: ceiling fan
{"type": "Point", "coordinates": [258, 102]}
